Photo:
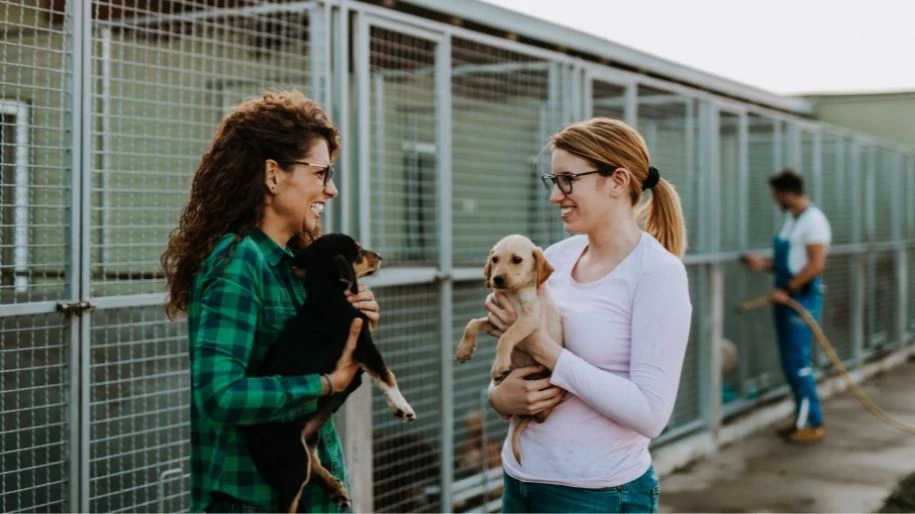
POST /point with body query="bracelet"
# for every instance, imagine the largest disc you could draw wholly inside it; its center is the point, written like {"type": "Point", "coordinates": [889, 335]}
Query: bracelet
{"type": "Point", "coordinates": [330, 384]}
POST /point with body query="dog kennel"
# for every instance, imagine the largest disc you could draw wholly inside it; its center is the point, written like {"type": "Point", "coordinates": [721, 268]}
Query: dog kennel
{"type": "Point", "coordinates": [445, 107]}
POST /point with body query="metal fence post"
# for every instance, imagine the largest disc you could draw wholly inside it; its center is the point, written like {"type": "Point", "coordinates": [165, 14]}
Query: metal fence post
{"type": "Point", "coordinates": [858, 260]}
{"type": "Point", "coordinates": [445, 258]}
{"type": "Point", "coordinates": [357, 412]}
{"type": "Point", "coordinates": [76, 13]}
{"type": "Point", "coordinates": [710, 337]}
{"type": "Point", "coordinates": [898, 234]}
{"type": "Point", "coordinates": [80, 129]}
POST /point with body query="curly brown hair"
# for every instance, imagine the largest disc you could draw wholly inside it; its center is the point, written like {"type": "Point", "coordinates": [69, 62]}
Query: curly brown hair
{"type": "Point", "coordinates": [228, 191]}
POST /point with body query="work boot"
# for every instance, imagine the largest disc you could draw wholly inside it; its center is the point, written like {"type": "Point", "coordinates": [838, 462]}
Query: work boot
{"type": "Point", "coordinates": [807, 435]}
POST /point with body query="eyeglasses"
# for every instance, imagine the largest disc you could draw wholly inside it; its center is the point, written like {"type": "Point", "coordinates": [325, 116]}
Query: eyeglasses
{"type": "Point", "coordinates": [327, 169]}
{"type": "Point", "coordinates": [564, 180]}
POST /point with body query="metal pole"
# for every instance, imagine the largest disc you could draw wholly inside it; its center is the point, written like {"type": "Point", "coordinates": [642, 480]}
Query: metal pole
{"type": "Point", "coordinates": [363, 83]}
{"type": "Point", "coordinates": [743, 180]}
{"type": "Point", "coordinates": [706, 147]}
{"type": "Point", "coordinates": [341, 103]}
{"type": "Point", "coordinates": [77, 14]}
{"type": "Point", "coordinates": [320, 77]}
{"type": "Point", "coordinates": [85, 223]}
{"type": "Point", "coordinates": [484, 445]}
{"type": "Point", "coordinates": [712, 331]}
{"type": "Point", "coordinates": [714, 182]}
{"type": "Point", "coordinates": [632, 104]}
{"type": "Point", "coordinates": [357, 412]}
{"type": "Point", "coordinates": [104, 244]}
{"type": "Point", "coordinates": [445, 250]}
{"type": "Point", "coordinates": [587, 95]}
{"type": "Point", "coordinates": [378, 167]}
{"type": "Point", "coordinates": [858, 283]}
{"type": "Point", "coordinates": [897, 199]}
{"type": "Point", "coordinates": [817, 170]}
{"type": "Point", "coordinates": [21, 214]}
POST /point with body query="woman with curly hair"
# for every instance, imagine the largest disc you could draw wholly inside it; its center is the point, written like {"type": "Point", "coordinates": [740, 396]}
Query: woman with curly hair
{"type": "Point", "coordinates": [257, 196]}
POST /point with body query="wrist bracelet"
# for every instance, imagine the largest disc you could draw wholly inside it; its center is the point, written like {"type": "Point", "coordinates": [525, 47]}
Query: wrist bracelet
{"type": "Point", "coordinates": [330, 384]}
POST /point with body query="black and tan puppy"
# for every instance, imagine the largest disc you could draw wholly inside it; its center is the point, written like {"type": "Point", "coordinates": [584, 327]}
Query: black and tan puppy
{"type": "Point", "coordinates": [312, 342]}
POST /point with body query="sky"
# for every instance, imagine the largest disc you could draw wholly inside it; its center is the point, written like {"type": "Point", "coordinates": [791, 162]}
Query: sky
{"type": "Point", "coordinates": [785, 47]}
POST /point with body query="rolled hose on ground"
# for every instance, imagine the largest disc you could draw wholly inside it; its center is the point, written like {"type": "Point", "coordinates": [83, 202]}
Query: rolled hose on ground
{"type": "Point", "coordinates": [823, 341]}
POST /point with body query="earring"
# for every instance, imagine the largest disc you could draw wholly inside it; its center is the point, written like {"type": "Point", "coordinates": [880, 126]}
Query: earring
{"type": "Point", "coordinates": [273, 189]}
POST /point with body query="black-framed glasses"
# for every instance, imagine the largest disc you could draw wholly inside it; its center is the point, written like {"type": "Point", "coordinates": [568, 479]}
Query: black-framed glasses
{"type": "Point", "coordinates": [327, 169]}
{"type": "Point", "coordinates": [565, 179]}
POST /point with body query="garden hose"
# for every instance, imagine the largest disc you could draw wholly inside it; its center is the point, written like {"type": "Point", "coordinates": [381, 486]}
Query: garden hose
{"type": "Point", "coordinates": [820, 337]}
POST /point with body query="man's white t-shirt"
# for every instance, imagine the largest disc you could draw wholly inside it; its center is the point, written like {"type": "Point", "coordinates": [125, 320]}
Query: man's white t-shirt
{"type": "Point", "coordinates": [625, 337]}
{"type": "Point", "coordinates": [810, 228]}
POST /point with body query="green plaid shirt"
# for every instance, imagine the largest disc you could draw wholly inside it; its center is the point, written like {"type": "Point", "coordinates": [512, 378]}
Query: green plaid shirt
{"type": "Point", "coordinates": [240, 301]}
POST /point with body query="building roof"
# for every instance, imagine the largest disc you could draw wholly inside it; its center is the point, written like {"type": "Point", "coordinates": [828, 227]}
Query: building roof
{"type": "Point", "coordinates": [853, 95]}
{"type": "Point", "coordinates": [584, 44]}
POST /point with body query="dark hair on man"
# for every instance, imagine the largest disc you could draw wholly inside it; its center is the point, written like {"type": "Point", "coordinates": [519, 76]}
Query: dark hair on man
{"type": "Point", "coordinates": [787, 181]}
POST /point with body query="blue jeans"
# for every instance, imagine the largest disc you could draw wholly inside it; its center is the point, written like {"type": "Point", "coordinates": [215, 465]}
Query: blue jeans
{"type": "Point", "coordinates": [795, 341]}
{"type": "Point", "coordinates": [640, 495]}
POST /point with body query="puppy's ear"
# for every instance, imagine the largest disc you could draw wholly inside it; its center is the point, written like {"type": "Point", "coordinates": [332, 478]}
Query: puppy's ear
{"type": "Point", "coordinates": [542, 266]}
{"type": "Point", "coordinates": [346, 272]}
{"type": "Point", "coordinates": [487, 271]}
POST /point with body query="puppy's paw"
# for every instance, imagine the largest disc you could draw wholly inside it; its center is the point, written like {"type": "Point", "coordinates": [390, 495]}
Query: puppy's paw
{"type": "Point", "coordinates": [464, 353]}
{"type": "Point", "coordinates": [406, 414]}
{"type": "Point", "coordinates": [500, 369]}
{"type": "Point", "coordinates": [341, 496]}
{"type": "Point", "coordinates": [399, 406]}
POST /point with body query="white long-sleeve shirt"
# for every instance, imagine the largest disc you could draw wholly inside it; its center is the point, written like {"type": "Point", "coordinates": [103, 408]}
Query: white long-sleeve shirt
{"type": "Point", "coordinates": [625, 336]}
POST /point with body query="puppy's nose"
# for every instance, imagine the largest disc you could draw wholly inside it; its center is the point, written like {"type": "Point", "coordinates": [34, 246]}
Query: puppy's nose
{"type": "Point", "coordinates": [499, 280]}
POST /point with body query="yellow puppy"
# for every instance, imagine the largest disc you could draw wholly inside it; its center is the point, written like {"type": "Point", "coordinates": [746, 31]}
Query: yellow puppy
{"type": "Point", "coordinates": [517, 268]}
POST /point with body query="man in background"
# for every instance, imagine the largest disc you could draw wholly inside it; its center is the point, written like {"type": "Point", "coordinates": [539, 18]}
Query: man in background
{"type": "Point", "coordinates": [798, 260]}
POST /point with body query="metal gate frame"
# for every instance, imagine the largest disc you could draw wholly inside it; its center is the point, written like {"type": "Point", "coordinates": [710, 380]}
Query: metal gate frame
{"type": "Point", "coordinates": [444, 274]}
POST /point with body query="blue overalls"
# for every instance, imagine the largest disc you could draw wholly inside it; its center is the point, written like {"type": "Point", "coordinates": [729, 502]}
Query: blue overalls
{"type": "Point", "coordinates": [795, 338]}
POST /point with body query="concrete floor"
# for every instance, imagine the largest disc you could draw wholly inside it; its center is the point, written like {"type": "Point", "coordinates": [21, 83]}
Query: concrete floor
{"type": "Point", "coordinates": [853, 470]}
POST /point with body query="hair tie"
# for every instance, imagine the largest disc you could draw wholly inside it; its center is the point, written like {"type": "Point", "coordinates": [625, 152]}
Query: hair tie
{"type": "Point", "coordinates": [652, 179]}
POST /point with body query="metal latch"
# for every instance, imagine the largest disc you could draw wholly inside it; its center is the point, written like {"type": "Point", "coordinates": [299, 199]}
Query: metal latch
{"type": "Point", "coordinates": [74, 308]}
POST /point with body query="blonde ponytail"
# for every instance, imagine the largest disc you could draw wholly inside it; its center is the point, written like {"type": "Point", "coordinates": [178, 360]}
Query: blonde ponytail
{"type": "Point", "coordinates": [662, 217]}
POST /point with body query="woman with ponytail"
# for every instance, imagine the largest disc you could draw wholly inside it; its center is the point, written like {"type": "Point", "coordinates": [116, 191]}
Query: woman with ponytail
{"type": "Point", "coordinates": [622, 290]}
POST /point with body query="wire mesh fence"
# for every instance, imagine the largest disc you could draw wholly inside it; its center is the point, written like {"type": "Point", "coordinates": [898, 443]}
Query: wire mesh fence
{"type": "Point", "coordinates": [106, 107]}
{"type": "Point", "coordinates": [35, 414]}
{"type": "Point", "coordinates": [33, 126]}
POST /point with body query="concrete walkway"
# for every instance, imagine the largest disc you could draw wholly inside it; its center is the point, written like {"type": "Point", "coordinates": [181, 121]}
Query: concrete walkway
{"type": "Point", "coordinates": [853, 470]}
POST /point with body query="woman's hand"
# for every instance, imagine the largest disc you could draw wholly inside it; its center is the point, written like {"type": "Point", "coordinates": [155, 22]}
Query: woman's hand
{"type": "Point", "coordinates": [346, 368]}
{"type": "Point", "coordinates": [364, 300]}
{"type": "Point", "coordinates": [518, 396]}
{"type": "Point", "coordinates": [501, 315]}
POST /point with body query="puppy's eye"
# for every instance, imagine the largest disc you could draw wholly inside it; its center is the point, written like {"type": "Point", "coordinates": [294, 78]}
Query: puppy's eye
{"type": "Point", "coordinates": [516, 259]}
{"type": "Point", "coordinates": [495, 260]}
